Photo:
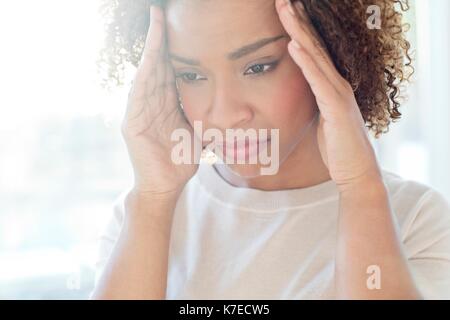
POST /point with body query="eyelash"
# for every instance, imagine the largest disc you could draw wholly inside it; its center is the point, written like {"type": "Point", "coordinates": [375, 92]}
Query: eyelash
{"type": "Point", "coordinates": [271, 66]}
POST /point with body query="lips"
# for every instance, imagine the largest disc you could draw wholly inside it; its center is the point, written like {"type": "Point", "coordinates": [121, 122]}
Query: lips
{"type": "Point", "coordinates": [246, 148]}
{"type": "Point", "coordinates": [240, 144]}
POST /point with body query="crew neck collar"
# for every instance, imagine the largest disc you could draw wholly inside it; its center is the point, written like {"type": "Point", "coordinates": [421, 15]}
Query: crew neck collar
{"type": "Point", "coordinates": [257, 200]}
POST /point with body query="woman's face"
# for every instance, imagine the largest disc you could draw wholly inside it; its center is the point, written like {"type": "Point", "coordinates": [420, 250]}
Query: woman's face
{"type": "Point", "coordinates": [226, 81]}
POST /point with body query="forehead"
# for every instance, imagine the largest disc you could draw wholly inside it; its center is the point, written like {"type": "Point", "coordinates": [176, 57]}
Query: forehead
{"type": "Point", "coordinates": [197, 26]}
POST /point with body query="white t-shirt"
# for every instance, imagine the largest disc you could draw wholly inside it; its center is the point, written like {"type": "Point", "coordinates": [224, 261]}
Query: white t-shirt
{"type": "Point", "coordinates": [240, 243]}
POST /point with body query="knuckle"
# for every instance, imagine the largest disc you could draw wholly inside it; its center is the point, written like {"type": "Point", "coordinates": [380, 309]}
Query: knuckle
{"type": "Point", "coordinates": [347, 86]}
{"type": "Point", "coordinates": [131, 91]}
{"type": "Point", "coordinates": [124, 128]}
{"type": "Point", "coordinates": [125, 133]}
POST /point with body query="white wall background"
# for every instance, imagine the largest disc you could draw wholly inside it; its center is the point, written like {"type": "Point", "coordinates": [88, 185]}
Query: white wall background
{"type": "Point", "coordinates": [418, 146]}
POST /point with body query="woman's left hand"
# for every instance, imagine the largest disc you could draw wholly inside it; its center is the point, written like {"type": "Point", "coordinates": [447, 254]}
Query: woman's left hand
{"type": "Point", "coordinates": [343, 140]}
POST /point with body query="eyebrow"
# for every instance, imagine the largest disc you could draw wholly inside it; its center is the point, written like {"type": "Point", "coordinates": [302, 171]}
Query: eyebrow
{"type": "Point", "coordinates": [236, 54]}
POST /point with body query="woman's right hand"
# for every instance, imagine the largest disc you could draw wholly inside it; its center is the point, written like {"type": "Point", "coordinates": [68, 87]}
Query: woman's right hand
{"type": "Point", "coordinates": [152, 115]}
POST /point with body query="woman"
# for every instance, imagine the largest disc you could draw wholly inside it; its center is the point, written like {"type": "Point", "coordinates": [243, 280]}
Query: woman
{"type": "Point", "coordinates": [330, 224]}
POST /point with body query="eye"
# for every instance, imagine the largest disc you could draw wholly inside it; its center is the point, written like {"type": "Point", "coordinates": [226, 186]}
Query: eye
{"type": "Point", "coordinates": [189, 77]}
{"type": "Point", "coordinates": [260, 68]}
{"type": "Point", "coordinates": [256, 69]}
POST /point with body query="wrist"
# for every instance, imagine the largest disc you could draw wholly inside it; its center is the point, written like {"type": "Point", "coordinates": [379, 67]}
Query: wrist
{"type": "Point", "coordinates": [150, 195]}
{"type": "Point", "coordinates": [368, 185]}
{"type": "Point", "coordinates": [150, 205]}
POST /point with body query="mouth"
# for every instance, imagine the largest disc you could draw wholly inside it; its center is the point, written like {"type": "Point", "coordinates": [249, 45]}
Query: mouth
{"type": "Point", "coordinates": [240, 144]}
{"type": "Point", "coordinates": [243, 148]}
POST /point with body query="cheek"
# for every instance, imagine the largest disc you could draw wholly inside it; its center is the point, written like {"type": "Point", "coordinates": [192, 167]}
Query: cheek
{"type": "Point", "coordinates": [290, 98]}
{"type": "Point", "coordinates": [287, 100]}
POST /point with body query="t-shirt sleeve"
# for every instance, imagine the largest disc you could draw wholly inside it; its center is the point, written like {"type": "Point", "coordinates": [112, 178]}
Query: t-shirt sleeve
{"type": "Point", "coordinates": [108, 237]}
{"type": "Point", "coordinates": [428, 245]}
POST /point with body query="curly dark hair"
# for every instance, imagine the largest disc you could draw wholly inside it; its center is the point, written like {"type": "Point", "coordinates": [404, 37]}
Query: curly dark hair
{"type": "Point", "coordinates": [376, 62]}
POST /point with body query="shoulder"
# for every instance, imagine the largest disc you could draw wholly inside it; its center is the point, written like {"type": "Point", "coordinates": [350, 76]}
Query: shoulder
{"type": "Point", "coordinates": [410, 195]}
{"type": "Point", "coordinates": [423, 216]}
{"type": "Point", "coordinates": [423, 213]}
{"type": "Point", "coordinates": [399, 186]}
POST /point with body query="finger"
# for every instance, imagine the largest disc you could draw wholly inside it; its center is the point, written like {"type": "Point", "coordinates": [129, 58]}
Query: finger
{"type": "Point", "coordinates": [326, 64]}
{"type": "Point", "coordinates": [157, 78]}
{"type": "Point", "coordinates": [164, 91]}
{"type": "Point", "coordinates": [321, 86]}
{"type": "Point", "coordinates": [147, 65]}
{"type": "Point", "coordinates": [171, 80]}
{"type": "Point", "coordinates": [160, 80]}
{"type": "Point", "coordinates": [170, 85]}
{"type": "Point", "coordinates": [296, 20]}
{"type": "Point", "coordinates": [169, 114]}
{"type": "Point", "coordinates": [156, 93]}
{"type": "Point", "coordinates": [299, 27]}
{"type": "Point", "coordinates": [153, 44]}
{"type": "Point", "coordinates": [310, 29]}
{"type": "Point", "coordinates": [172, 90]}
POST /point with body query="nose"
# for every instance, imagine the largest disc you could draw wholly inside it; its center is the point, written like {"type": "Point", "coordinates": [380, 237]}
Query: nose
{"type": "Point", "coordinates": [229, 108]}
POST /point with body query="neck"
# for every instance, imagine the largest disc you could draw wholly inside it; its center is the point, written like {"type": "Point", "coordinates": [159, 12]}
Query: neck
{"type": "Point", "coordinates": [303, 168]}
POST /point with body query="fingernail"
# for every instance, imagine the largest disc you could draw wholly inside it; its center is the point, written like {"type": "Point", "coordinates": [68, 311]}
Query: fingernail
{"type": "Point", "coordinates": [155, 12]}
{"type": "Point", "coordinates": [295, 44]}
{"type": "Point", "coordinates": [290, 7]}
{"type": "Point", "coordinates": [299, 5]}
